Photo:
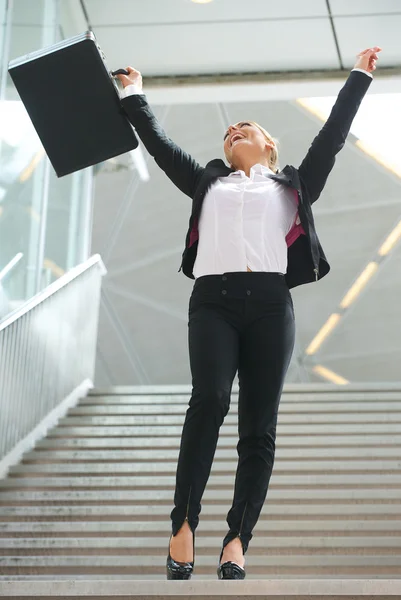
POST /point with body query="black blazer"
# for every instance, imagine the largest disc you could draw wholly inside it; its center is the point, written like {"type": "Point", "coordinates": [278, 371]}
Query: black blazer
{"type": "Point", "coordinates": [306, 259]}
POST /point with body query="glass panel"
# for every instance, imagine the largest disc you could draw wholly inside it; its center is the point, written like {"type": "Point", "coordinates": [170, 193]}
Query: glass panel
{"type": "Point", "coordinates": [45, 218]}
{"type": "Point", "coordinates": [67, 223]}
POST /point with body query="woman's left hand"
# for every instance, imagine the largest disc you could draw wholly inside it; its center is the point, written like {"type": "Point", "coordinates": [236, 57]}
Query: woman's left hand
{"type": "Point", "coordinates": [367, 59]}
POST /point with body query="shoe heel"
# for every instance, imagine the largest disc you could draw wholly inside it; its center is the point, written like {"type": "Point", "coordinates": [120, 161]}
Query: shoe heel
{"type": "Point", "coordinates": [180, 570]}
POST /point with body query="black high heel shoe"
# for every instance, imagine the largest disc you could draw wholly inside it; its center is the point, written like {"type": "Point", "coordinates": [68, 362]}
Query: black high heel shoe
{"type": "Point", "coordinates": [229, 570]}
{"type": "Point", "coordinates": [180, 570]}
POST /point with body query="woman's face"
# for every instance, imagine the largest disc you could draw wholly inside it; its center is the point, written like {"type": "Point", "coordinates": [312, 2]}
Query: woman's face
{"type": "Point", "coordinates": [244, 137]}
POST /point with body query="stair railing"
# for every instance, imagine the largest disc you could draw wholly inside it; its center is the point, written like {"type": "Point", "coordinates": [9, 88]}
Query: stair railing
{"type": "Point", "coordinates": [47, 357]}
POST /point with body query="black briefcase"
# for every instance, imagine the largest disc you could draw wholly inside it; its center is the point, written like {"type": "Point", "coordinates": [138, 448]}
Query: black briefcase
{"type": "Point", "coordinates": [73, 102]}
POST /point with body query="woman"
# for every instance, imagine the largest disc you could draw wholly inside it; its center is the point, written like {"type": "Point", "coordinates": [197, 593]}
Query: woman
{"type": "Point", "coordinates": [251, 238]}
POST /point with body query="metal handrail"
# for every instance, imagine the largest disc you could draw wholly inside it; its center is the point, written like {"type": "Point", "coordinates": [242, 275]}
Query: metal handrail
{"type": "Point", "coordinates": [14, 261]}
{"type": "Point", "coordinates": [52, 289]}
{"type": "Point", "coordinates": [47, 357]}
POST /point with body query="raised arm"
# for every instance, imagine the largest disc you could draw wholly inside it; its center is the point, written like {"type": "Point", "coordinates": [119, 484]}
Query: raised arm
{"type": "Point", "coordinates": [320, 158]}
{"type": "Point", "coordinates": [178, 165]}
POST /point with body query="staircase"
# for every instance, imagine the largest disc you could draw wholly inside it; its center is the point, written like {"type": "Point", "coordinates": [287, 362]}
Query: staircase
{"type": "Point", "coordinates": [89, 507]}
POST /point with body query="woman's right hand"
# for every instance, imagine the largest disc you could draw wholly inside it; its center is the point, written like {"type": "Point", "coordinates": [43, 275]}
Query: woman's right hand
{"type": "Point", "coordinates": [134, 77]}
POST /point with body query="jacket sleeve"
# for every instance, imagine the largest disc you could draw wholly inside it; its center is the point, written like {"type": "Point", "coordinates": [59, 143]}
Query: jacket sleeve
{"type": "Point", "coordinates": [178, 165]}
{"type": "Point", "coordinates": [320, 158]}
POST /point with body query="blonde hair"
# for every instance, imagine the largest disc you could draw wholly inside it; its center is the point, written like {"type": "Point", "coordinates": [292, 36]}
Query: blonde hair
{"type": "Point", "coordinates": [273, 158]}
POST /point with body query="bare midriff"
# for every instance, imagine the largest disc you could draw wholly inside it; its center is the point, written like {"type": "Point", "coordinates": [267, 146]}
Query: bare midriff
{"type": "Point", "coordinates": [248, 269]}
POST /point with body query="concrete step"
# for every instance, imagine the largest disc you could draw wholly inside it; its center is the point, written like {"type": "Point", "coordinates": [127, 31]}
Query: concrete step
{"type": "Point", "coordinates": [339, 429]}
{"type": "Point", "coordinates": [268, 565]}
{"type": "Point", "coordinates": [161, 576]}
{"type": "Point", "coordinates": [329, 496]}
{"type": "Point", "coordinates": [160, 512]}
{"type": "Point", "coordinates": [295, 441]}
{"type": "Point", "coordinates": [300, 527]}
{"type": "Point", "coordinates": [296, 483]}
{"type": "Point", "coordinates": [207, 558]}
{"type": "Point", "coordinates": [302, 487]}
{"type": "Point", "coordinates": [300, 391]}
{"type": "Point", "coordinates": [207, 576]}
{"type": "Point", "coordinates": [281, 468]}
{"type": "Point", "coordinates": [286, 408]}
{"type": "Point", "coordinates": [311, 419]}
{"type": "Point", "coordinates": [274, 589]}
{"type": "Point", "coordinates": [318, 401]}
{"type": "Point", "coordinates": [373, 455]}
{"type": "Point", "coordinates": [262, 544]}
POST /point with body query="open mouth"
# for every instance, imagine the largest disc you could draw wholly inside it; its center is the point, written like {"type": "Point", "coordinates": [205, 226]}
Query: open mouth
{"type": "Point", "coordinates": [236, 137]}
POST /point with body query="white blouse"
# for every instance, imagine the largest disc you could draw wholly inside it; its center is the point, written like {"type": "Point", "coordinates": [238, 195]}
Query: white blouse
{"type": "Point", "coordinates": [243, 223]}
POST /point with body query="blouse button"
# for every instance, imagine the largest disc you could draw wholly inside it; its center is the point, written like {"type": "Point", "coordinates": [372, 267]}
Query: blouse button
{"type": "Point", "coordinates": [224, 291]}
{"type": "Point", "coordinates": [248, 292]}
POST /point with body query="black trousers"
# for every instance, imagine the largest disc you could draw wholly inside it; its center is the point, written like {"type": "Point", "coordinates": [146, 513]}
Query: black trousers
{"type": "Point", "coordinates": [239, 321]}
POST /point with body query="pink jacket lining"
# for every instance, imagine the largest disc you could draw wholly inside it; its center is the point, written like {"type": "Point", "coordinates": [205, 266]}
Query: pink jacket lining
{"type": "Point", "coordinates": [294, 233]}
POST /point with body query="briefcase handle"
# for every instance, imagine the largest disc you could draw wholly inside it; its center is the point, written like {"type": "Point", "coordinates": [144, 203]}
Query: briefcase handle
{"type": "Point", "coordinates": [120, 72]}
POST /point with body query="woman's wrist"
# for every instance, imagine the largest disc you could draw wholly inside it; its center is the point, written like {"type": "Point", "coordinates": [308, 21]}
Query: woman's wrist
{"type": "Point", "coordinates": [362, 71]}
{"type": "Point", "coordinates": [131, 89]}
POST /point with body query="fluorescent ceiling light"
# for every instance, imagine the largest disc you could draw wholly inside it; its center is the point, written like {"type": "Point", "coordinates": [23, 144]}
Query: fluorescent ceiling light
{"type": "Point", "coordinates": [372, 152]}
{"type": "Point", "coordinates": [314, 107]}
{"type": "Point", "coordinates": [376, 125]}
{"type": "Point", "coordinates": [323, 333]}
{"type": "Point", "coordinates": [390, 241]}
{"type": "Point", "coordinates": [359, 284]}
{"type": "Point", "coordinates": [329, 375]}
{"type": "Point", "coordinates": [201, 1]}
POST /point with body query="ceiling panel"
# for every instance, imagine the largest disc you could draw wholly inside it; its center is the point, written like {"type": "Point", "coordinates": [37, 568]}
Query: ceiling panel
{"type": "Point", "coordinates": [26, 12]}
{"type": "Point", "coordinates": [136, 12]}
{"type": "Point", "coordinates": [363, 7]}
{"type": "Point", "coordinates": [357, 33]}
{"type": "Point", "coordinates": [211, 48]}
